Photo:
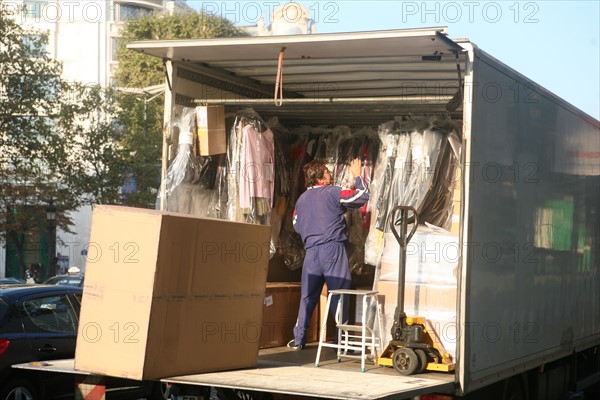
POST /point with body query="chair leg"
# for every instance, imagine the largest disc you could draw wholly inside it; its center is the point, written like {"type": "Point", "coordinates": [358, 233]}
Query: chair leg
{"type": "Point", "coordinates": [323, 331]}
{"type": "Point", "coordinates": [363, 333]}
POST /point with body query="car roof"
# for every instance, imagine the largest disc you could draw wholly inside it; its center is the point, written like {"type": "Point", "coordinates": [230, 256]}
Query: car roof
{"type": "Point", "coordinates": [68, 280]}
{"type": "Point", "coordinates": [12, 291]}
{"type": "Point", "coordinates": [66, 276]}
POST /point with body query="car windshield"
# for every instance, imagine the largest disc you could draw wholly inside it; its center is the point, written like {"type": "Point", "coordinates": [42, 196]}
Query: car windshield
{"type": "Point", "coordinates": [65, 280]}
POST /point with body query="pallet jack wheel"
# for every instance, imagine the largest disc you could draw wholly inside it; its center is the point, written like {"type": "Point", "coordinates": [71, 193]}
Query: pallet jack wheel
{"type": "Point", "coordinates": [405, 361]}
{"type": "Point", "coordinates": [422, 360]}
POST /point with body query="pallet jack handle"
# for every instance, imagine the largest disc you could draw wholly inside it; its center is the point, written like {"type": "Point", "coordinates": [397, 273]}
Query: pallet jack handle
{"type": "Point", "coordinates": [401, 216]}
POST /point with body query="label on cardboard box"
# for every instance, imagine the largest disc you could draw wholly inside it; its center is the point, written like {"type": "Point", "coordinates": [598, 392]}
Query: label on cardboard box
{"type": "Point", "coordinates": [269, 301]}
{"type": "Point", "coordinates": [202, 113]}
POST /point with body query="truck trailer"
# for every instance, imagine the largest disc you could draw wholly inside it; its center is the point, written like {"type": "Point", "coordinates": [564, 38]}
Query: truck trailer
{"type": "Point", "coordinates": [526, 196]}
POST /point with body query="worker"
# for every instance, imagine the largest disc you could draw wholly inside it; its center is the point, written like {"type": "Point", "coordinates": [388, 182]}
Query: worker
{"type": "Point", "coordinates": [319, 219]}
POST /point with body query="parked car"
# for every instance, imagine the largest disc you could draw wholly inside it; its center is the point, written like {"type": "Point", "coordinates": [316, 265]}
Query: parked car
{"type": "Point", "coordinates": [69, 280]}
{"type": "Point", "coordinates": [37, 323]}
{"type": "Point", "coordinates": [11, 281]}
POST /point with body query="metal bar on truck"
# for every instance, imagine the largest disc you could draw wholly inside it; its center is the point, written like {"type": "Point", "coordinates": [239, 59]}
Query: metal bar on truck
{"type": "Point", "coordinates": [324, 100]}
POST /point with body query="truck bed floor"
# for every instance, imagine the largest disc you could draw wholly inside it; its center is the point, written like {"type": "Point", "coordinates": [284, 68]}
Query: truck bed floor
{"type": "Point", "coordinates": [285, 371]}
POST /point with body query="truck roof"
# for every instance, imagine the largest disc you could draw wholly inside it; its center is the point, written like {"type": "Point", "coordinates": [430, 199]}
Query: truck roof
{"type": "Point", "coordinates": [394, 68]}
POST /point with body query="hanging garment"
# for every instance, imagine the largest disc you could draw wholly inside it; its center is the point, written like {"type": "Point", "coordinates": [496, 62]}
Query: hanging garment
{"type": "Point", "coordinates": [257, 161]}
{"type": "Point", "coordinates": [184, 171]}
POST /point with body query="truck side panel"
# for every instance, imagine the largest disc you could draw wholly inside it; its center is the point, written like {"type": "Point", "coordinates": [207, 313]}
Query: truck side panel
{"type": "Point", "coordinates": [532, 281]}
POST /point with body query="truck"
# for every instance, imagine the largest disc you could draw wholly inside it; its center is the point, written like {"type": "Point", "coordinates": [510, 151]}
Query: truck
{"type": "Point", "coordinates": [527, 224]}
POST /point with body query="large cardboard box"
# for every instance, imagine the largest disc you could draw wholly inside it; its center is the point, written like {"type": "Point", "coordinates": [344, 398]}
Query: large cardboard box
{"type": "Point", "coordinates": [280, 312]}
{"type": "Point", "coordinates": [212, 137]}
{"type": "Point", "coordinates": [432, 257]}
{"type": "Point", "coordinates": [437, 303]}
{"type": "Point", "coordinates": [169, 294]}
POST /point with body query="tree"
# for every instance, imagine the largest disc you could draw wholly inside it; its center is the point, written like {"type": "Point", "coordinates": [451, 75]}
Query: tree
{"type": "Point", "coordinates": [143, 117]}
{"type": "Point", "coordinates": [35, 168]}
{"type": "Point", "coordinates": [99, 159]}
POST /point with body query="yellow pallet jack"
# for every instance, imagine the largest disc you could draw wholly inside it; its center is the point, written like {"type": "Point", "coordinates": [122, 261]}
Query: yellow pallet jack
{"type": "Point", "coordinates": [415, 346]}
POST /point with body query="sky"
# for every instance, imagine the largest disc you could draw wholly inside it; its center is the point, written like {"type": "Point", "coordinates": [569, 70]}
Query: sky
{"type": "Point", "coordinates": [553, 43]}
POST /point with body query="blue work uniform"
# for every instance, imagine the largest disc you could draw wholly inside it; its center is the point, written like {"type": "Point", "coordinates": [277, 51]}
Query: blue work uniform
{"type": "Point", "coordinates": [319, 219]}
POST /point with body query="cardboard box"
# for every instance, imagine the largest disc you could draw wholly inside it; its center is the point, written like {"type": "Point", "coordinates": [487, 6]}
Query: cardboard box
{"type": "Point", "coordinates": [437, 303]}
{"type": "Point", "coordinates": [280, 312]}
{"type": "Point", "coordinates": [170, 294]}
{"type": "Point", "coordinates": [419, 299]}
{"type": "Point", "coordinates": [432, 257]}
{"type": "Point", "coordinates": [357, 305]}
{"type": "Point", "coordinates": [212, 137]}
{"type": "Point", "coordinates": [331, 331]}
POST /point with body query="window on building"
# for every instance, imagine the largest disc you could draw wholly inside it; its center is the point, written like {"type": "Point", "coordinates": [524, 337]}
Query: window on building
{"type": "Point", "coordinates": [27, 86]}
{"type": "Point", "coordinates": [114, 45]}
{"type": "Point", "coordinates": [31, 125]}
{"type": "Point", "coordinates": [32, 132]}
{"type": "Point", "coordinates": [33, 9]}
{"type": "Point", "coordinates": [35, 44]}
{"type": "Point", "coordinates": [129, 11]}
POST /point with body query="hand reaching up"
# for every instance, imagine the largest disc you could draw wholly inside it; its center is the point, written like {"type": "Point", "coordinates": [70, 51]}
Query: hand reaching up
{"type": "Point", "coordinates": [355, 167]}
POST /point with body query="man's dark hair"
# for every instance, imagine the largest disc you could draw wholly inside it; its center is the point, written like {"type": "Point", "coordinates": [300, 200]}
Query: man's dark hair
{"type": "Point", "coordinates": [313, 171]}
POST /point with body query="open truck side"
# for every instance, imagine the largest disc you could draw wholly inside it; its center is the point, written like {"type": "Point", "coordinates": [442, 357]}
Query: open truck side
{"type": "Point", "coordinates": [529, 303]}
{"type": "Point", "coordinates": [528, 285]}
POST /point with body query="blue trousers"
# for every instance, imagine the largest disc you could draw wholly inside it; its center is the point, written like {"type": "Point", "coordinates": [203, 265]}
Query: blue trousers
{"type": "Point", "coordinates": [326, 263]}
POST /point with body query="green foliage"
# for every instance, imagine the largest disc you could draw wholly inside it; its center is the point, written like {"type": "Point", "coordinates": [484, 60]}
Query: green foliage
{"type": "Point", "coordinates": [139, 70]}
{"type": "Point", "coordinates": [34, 146]}
{"type": "Point", "coordinates": [143, 116]}
{"type": "Point", "coordinates": [142, 139]}
{"type": "Point", "coordinates": [99, 159]}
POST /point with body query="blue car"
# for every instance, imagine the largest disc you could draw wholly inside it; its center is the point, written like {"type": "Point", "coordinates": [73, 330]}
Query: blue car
{"type": "Point", "coordinates": [37, 323]}
{"type": "Point", "coordinates": [11, 281]}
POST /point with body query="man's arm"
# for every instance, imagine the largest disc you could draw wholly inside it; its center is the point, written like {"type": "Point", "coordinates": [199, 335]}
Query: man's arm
{"type": "Point", "coordinates": [359, 196]}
